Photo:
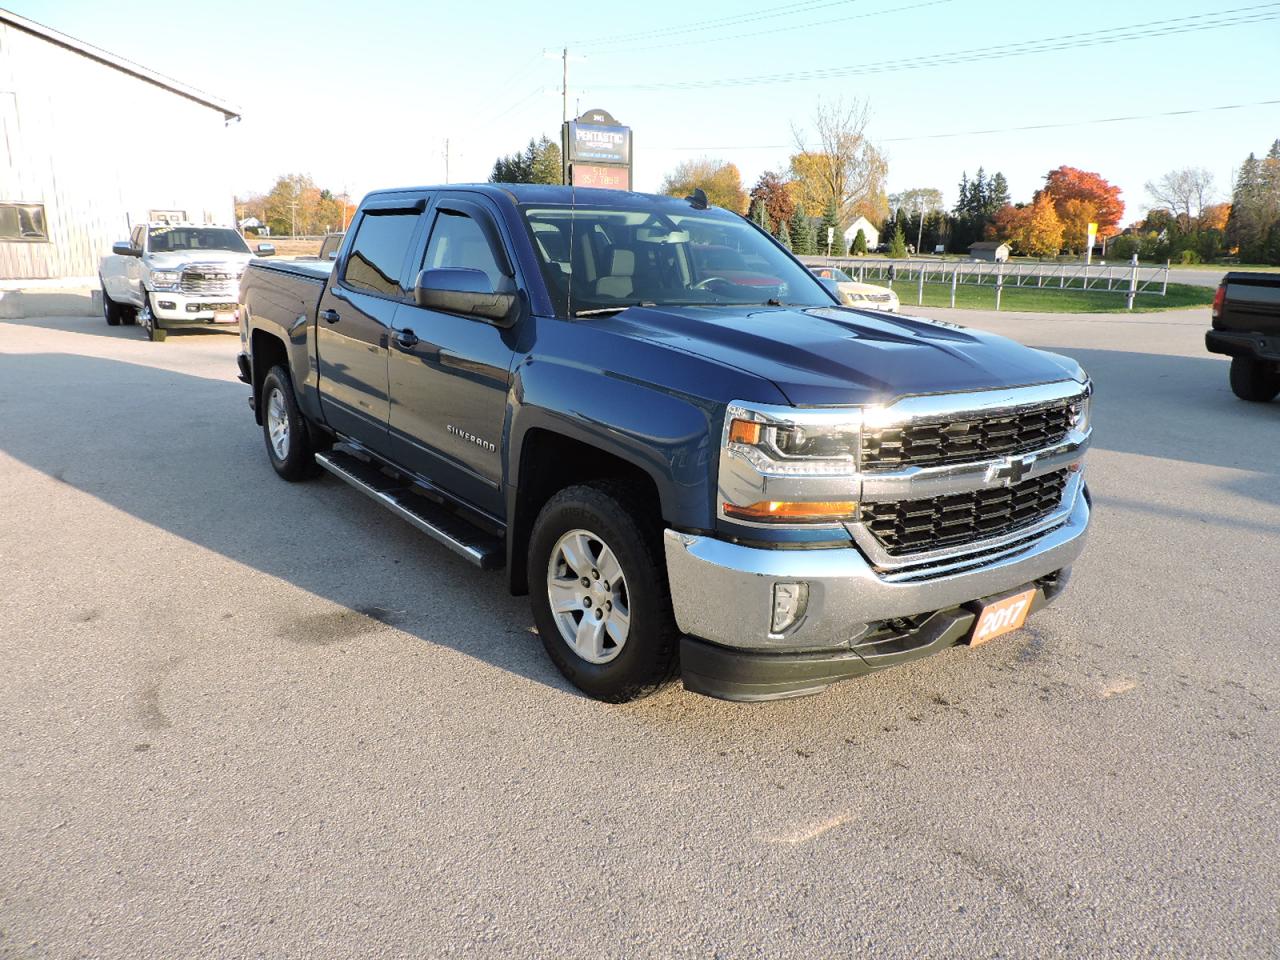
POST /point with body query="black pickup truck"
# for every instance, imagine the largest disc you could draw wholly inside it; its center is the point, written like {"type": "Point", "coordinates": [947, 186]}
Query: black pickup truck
{"type": "Point", "coordinates": [1246, 327]}
{"type": "Point", "coordinates": [729, 478]}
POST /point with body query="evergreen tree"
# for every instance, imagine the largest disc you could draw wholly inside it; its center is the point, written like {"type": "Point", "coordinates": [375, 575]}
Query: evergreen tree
{"type": "Point", "coordinates": [799, 230]}
{"type": "Point", "coordinates": [760, 216]}
{"type": "Point", "coordinates": [784, 235]}
{"type": "Point", "coordinates": [830, 222]}
{"type": "Point", "coordinates": [898, 246]}
{"type": "Point", "coordinates": [859, 246]}
{"type": "Point", "coordinates": [999, 194]}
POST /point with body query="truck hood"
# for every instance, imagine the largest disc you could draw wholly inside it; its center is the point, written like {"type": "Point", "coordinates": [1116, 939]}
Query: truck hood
{"type": "Point", "coordinates": [833, 355]}
{"type": "Point", "coordinates": [180, 258]}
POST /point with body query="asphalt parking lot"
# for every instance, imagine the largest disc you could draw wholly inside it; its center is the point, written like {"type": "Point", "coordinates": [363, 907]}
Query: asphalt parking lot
{"type": "Point", "coordinates": [244, 718]}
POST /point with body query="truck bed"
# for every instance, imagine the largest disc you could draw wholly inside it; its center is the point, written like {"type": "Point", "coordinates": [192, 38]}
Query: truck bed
{"type": "Point", "coordinates": [317, 270]}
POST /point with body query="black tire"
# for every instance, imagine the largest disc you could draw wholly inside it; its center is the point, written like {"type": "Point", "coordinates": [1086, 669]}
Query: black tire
{"type": "Point", "coordinates": [298, 459]}
{"type": "Point", "coordinates": [648, 657]}
{"type": "Point", "coordinates": [1254, 380]}
{"type": "Point", "coordinates": [112, 312]}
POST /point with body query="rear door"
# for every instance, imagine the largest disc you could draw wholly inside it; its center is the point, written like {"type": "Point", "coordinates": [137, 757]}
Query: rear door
{"type": "Point", "coordinates": [450, 374]}
{"type": "Point", "coordinates": [355, 319]}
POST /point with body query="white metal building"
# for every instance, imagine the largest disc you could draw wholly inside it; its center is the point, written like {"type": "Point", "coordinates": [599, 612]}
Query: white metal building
{"type": "Point", "coordinates": [91, 143]}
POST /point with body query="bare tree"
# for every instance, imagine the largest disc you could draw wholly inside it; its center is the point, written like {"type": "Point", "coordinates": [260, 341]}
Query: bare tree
{"type": "Point", "coordinates": [840, 163]}
{"type": "Point", "coordinates": [1186, 192]}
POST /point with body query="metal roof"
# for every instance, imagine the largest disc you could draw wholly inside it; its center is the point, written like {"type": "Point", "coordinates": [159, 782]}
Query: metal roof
{"type": "Point", "coordinates": [119, 63]}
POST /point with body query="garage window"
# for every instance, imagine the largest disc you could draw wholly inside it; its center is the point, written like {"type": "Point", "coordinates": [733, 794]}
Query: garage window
{"type": "Point", "coordinates": [23, 221]}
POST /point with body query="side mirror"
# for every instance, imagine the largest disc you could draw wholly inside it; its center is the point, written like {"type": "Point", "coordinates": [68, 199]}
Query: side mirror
{"type": "Point", "coordinates": [123, 248]}
{"type": "Point", "coordinates": [266, 250]}
{"type": "Point", "coordinates": [466, 292]}
{"type": "Point", "coordinates": [333, 255]}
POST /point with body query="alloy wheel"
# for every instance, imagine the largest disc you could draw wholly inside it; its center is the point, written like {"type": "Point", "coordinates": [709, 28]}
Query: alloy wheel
{"type": "Point", "coordinates": [589, 597]}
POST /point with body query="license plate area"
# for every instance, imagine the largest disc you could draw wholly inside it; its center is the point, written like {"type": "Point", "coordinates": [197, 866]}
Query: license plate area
{"type": "Point", "coordinates": [1001, 615]}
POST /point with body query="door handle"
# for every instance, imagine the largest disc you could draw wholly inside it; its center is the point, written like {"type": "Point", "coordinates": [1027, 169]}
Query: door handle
{"type": "Point", "coordinates": [329, 316]}
{"type": "Point", "coordinates": [407, 339]}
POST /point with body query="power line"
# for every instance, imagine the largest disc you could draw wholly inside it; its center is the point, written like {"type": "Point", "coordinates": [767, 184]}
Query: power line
{"type": "Point", "coordinates": [977, 133]}
{"type": "Point", "coordinates": [702, 41]}
{"type": "Point", "coordinates": [1155, 28]}
{"type": "Point", "coordinates": [803, 6]}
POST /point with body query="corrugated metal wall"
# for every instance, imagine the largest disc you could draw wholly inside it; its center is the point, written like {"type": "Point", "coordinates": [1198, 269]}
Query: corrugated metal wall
{"type": "Point", "coordinates": [99, 148]}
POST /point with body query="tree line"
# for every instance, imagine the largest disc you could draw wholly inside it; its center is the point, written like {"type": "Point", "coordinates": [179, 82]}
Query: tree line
{"type": "Point", "coordinates": [296, 206]}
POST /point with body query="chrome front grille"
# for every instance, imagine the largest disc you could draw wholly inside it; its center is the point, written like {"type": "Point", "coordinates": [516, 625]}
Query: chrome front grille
{"type": "Point", "coordinates": [211, 280]}
{"type": "Point", "coordinates": [910, 526]}
{"type": "Point", "coordinates": [966, 438]}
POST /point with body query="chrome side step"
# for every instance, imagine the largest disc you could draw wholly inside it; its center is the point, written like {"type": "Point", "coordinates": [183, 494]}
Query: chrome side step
{"type": "Point", "coordinates": [483, 549]}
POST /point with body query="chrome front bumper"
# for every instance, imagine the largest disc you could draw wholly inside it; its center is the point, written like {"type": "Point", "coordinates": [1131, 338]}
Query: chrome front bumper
{"type": "Point", "coordinates": [723, 592]}
{"type": "Point", "coordinates": [178, 312]}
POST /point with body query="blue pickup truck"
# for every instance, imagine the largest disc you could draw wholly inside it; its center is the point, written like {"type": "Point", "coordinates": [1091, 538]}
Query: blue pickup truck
{"type": "Point", "coordinates": [731, 478]}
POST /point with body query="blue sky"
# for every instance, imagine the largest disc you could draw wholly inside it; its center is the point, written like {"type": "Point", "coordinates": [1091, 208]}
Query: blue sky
{"type": "Point", "coordinates": [363, 95]}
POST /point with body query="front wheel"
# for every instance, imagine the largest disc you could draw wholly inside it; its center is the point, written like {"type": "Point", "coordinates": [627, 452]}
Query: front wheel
{"type": "Point", "coordinates": [147, 320]}
{"type": "Point", "coordinates": [1255, 380]}
{"type": "Point", "coordinates": [599, 591]}
{"type": "Point", "coordinates": [284, 428]}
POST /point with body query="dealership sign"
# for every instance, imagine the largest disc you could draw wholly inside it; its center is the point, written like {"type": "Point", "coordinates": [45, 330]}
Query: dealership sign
{"type": "Point", "coordinates": [597, 151]}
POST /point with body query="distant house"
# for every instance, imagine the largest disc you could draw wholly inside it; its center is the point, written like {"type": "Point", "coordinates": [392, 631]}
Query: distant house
{"type": "Point", "coordinates": [992, 251]}
{"type": "Point", "coordinates": [870, 232]}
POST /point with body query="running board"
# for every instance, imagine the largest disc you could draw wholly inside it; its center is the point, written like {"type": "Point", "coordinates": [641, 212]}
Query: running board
{"type": "Point", "coordinates": [483, 549]}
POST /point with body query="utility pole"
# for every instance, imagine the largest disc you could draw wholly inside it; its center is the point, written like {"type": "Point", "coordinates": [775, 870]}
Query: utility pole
{"type": "Point", "coordinates": [446, 159]}
{"type": "Point", "coordinates": [920, 232]}
{"type": "Point", "coordinates": [564, 89]}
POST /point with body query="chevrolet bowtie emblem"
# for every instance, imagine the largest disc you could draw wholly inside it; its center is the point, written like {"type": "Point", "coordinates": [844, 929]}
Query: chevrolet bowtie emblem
{"type": "Point", "coordinates": [1011, 471]}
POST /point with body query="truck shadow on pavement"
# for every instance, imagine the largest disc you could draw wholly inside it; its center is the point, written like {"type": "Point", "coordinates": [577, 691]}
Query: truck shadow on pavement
{"type": "Point", "coordinates": [183, 454]}
{"type": "Point", "coordinates": [95, 326]}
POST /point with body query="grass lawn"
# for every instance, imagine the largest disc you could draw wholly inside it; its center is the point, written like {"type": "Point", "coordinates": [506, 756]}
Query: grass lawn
{"type": "Point", "coordinates": [1051, 300]}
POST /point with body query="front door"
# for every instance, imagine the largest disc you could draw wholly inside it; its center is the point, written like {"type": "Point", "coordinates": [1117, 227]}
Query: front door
{"type": "Point", "coordinates": [354, 325]}
{"type": "Point", "coordinates": [449, 374]}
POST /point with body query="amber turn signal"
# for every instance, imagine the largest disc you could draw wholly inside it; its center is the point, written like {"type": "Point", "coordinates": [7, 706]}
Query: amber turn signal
{"type": "Point", "coordinates": [745, 431]}
{"type": "Point", "coordinates": [779, 511]}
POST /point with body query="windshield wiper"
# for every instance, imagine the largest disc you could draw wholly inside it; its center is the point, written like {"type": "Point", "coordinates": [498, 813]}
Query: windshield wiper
{"type": "Point", "coordinates": [605, 311]}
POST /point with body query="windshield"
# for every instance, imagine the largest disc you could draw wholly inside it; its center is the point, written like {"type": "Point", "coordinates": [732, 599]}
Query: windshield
{"type": "Point", "coordinates": [169, 239]}
{"type": "Point", "coordinates": [604, 259]}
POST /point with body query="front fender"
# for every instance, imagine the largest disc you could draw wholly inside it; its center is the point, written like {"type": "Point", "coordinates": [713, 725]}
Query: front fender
{"type": "Point", "coordinates": [666, 434]}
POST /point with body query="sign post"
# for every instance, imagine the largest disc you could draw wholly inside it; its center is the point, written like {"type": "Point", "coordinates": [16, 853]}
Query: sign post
{"type": "Point", "coordinates": [597, 151]}
{"type": "Point", "coordinates": [1088, 247]}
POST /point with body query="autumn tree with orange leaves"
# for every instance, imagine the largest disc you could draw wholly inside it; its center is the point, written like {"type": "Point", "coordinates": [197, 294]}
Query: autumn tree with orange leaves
{"type": "Point", "coordinates": [1069, 183]}
{"type": "Point", "coordinates": [1032, 231]}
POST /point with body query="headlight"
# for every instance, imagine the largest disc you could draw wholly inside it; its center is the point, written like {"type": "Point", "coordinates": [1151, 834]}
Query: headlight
{"type": "Point", "coordinates": [166, 278]}
{"type": "Point", "coordinates": [781, 446]}
{"type": "Point", "coordinates": [1081, 412]}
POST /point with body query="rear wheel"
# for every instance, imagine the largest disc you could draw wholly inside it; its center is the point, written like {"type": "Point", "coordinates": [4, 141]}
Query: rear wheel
{"type": "Point", "coordinates": [284, 428]}
{"type": "Point", "coordinates": [112, 312]}
{"type": "Point", "coordinates": [1255, 380]}
{"type": "Point", "coordinates": [599, 592]}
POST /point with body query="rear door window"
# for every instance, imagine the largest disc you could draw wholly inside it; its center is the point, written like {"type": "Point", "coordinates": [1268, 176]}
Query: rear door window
{"type": "Point", "coordinates": [378, 251]}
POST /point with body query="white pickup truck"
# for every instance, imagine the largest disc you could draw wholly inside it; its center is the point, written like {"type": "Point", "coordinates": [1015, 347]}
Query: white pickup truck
{"type": "Point", "coordinates": [170, 275]}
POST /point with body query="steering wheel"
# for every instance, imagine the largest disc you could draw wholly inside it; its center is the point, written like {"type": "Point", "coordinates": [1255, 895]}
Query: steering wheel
{"type": "Point", "coordinates": [704, 284]}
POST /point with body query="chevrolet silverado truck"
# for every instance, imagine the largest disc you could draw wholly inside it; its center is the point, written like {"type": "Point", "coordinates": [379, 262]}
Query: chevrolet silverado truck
{"type": "Point", "coordinates": [745, 484]}
{"type": "Point", "coordinates": [1246, 327]}
{"type": "Point", "coordinates": [169, 275]}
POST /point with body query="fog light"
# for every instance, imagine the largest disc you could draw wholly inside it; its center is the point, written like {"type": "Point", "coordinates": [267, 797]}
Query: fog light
{"type": "Point", "coordinates": [165, 304]}
{"type": "Point", "coordinates": [789, 603]}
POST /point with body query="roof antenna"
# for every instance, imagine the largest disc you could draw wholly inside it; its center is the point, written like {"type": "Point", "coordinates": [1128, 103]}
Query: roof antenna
{"type": "Point", "coordinates": [697, 199]}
